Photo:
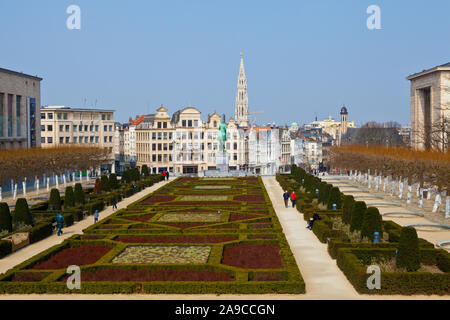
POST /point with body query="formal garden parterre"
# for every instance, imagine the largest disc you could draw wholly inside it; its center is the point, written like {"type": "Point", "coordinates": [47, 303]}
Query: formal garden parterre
{"type": "Point", "coordinates": [409, 265]}
{"type": "Point", "coordinates": [193, 235]}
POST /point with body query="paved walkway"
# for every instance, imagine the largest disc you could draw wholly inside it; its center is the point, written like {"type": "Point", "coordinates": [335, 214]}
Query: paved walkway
{"type": "Point", "coordinates": [370, 197]}
{"type": "Point", "coordinates": [27, 252]}
{"type": "Point", "coordinates": [33, 197]}
{"type": "Point", "coordinates": [323, 278]}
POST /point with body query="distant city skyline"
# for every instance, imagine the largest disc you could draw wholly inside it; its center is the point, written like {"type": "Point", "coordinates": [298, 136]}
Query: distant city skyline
{"type": "Point", "coordinates": [302, 58]}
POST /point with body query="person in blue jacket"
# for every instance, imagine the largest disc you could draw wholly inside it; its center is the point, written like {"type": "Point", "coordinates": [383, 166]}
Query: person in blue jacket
{"type": "Point", "coordinates": [286, 196]}
{"type": "Point", "coordinates": [60, 223]}
{"type": "Point", "coordinates": [96, 216]}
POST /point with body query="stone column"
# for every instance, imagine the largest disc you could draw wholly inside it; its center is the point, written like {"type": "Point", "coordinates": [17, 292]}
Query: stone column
{"type": "Point", "coordinates": [5, 115]}
{"type": "Point", "coordinates": [14, 116]}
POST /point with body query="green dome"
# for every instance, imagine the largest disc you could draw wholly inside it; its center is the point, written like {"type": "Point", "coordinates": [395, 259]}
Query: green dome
{"type": "Point", "coordinates": [294, 124]}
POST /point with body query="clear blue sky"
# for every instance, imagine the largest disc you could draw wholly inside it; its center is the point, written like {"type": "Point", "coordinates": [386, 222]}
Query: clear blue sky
{"type": "Point", "coordinates": [302, 58]}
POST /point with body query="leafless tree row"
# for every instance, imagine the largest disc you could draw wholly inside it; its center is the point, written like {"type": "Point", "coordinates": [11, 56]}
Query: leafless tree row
{"type": "Point", "coordinates": [29, 163]}
{"type": "Point", "coordinates": [428, 168]}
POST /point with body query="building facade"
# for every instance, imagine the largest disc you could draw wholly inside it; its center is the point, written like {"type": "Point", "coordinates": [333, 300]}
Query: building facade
{"type": "Point", "coordinates": [430, 108]}
{"type": "Point", "coordinates": [65, 126]}
{"type": "Point", "coordinates": [20, 101]}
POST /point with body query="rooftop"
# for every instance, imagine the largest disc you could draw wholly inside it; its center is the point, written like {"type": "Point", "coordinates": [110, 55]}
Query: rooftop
{"type": "Point", "coordinates": [443, 67]}
{"type": "Point", "coordinates": [56, 108]}
{"type": "Point", "coordinates": [20, 74]}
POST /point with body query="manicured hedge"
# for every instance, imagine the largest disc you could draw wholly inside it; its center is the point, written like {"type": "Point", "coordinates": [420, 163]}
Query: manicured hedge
{"type": "Point", "coordinates": [288, 278]}
{"type": "Point", "coordinates": [351, 262]}
{"type": "Point", "coordinates": [5, 248]}
{"type": "Point", "coordinates": [41, 231]}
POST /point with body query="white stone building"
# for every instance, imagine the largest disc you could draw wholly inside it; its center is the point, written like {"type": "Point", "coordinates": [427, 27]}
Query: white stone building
{"type": "Point", "coordinates": [20, 101]}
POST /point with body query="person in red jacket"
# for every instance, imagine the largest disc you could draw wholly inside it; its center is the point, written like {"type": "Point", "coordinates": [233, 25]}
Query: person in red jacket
{"type": "Point", "coordinates": [164, 174]}
{"type": "Point", "coordinates": [293, 198]}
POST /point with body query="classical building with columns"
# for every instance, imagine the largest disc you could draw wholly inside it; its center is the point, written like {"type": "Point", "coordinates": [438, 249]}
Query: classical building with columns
{"type": "Point", "coordinates": [20, 101]}
{"type": "Point", "coordinates": [430, 108]}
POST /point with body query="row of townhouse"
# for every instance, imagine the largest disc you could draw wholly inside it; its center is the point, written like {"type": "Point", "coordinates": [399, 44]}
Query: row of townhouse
{"type": "Point", "coordinates": [185, 144]}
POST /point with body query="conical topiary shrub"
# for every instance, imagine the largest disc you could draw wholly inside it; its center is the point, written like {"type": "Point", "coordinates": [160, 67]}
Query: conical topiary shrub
{"type": "Point", "coordinates": [79, 194]}
{"type": "Point", "coordinates": [347, 209]}
{"type": "Point", "coordinates": [372, 222]}
{"type": "Point", "coordinates": [55, 200]}
{"type": "Point", "coordinates": [5, 217]}
{"type": "Point", "coordinates": [408, 255]}
{"type": "Point", "coordinates": [105, 183]}
{"type": "Point", "coordinates": [145, 171]}
{"type": "Point", "coordinates": [357, 215]}
{"type": "Point", "coordinates": [69, 198]}
{"type": "Point", "coordinates": [324, 194]}
{"type": "Point", "coordinates": [113, 183]}
{"type": "Point", "coordinates": [335, 198]}
{"type": "Point", "coordinates": [21, 213]}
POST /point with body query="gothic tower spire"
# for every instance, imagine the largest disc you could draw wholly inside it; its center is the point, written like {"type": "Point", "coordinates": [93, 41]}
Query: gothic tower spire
{"type": "Point", "coordinates": [241, 109]}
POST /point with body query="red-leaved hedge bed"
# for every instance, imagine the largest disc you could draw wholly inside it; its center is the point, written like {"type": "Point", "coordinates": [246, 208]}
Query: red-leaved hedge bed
{"type": "Point", "coordinates": [165, 244]}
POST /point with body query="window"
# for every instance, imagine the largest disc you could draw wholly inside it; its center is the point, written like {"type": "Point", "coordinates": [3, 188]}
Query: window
{"type": "Point", "coordinates": [104, 139]}
{"type": "Point", "coordinates": [80, 128]}
{"type": "Point", "coordinates": [159, 125]}
{"type": "Point", "coordinates": [65, 116]}
{"type": "Point", "coordinates": [103, 117]}
{"type": "Point", "coordinates": [153, 135]}
{"type": "Point", "coordinates": [110, 139]}
{"type": "Point", "coordinates": [159, 146]}
{"type": "Point", "coordinates": [49, 140]}
{"type": "Point", "coordinates": [67, 140]}
{"type": "Point", "coordinates": [170, 146]}
{"type": "Point", "coordinates": [96, 128]}
{"type": "Point", "coordinates": [196, 123]}
{"type": "Point", "coordinates": [165, 125]}
{"type": "Point", "coordinates": [159, 158]}
{"type": "Point", "coordinates": [165, 135]}
{"type": "Point", "coordinates": [159, 136]}
{"type": "Point", "coordinates": [91, 139]}
{"type": "Point", "coordinates": [154, 157]}
{"type": "Point", "coordinates": [86, 139]}
{"type": "Point", "coordinates": [42, 115]}
{"type": "Point", "coordinates": [189, 123]}
{"type": "Point", "coordinates": [75, 139]}
{"type": "Point", "coordinates": [49, 128]}
{"type": "Point", "coordinates": [91, 128]}
{"type": "Point", "coordinates": [235, 146]}
{"type": "Point", "coordinates": [42, 128]}
{"type": "Point", "coordinates": [42, 139]}
{"type": "Point", "coordinates": [105, 128]}
{"type": "Point", "coordinates": [183, 123]}
{"type": "Point", "coordinates": [96, 139]}
{"type": "Point", "coordinates": [61, 140]}
{"type": "Point", "coordinates": [67, 128]}
{"type": "Point", "coordinates": [215, 124]}
{"type": "Point", "coordinates": [75, 128]}
{"type": "Point", "coordinates": [110, 128]}
{"type": "Point", "coordinates": [165, 146]}
{"type": "Point", "coordinates": [235, 157]}
{"type": "Point", "coordinates": [59, 116]}
{"type": "Point", "coordinates": [170, 135]}
{"type": "Point", "coordinates": [61, 128]}
{"type": "Point", "coordinates": [50, 116]}
{"type": "Point", "coordinates": [86, 127]}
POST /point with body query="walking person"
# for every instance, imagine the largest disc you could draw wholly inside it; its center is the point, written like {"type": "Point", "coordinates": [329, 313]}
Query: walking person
{"type": "Point", "coordinates": [167, 175]}
{"type": "Point", "coordinates": [96, 216]}
{"type": "Point", "coordinates": [114, 203]}
{"type": "Point", "coordinates": [293, 198]}
{"type": "Point", "coordinates": [59, 223]}
{"type": "Point", "coordinates": [286, 198]}
{"type": "Point", "coordinates": [164, 174]}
